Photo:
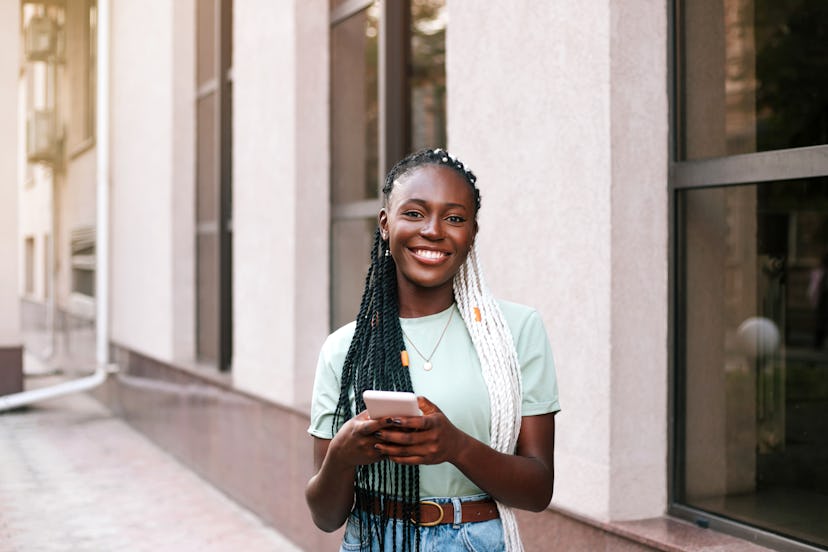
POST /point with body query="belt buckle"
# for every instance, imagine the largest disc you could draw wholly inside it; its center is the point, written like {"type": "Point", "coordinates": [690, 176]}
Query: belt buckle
{"type": "Point", "coordinates": [431, 523]}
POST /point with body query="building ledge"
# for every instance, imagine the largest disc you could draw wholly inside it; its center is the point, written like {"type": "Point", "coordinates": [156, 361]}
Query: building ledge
{"type": "Point", "coordinates": [665, 533]}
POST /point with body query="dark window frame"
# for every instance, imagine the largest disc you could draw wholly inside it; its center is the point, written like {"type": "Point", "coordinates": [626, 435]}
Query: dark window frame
{"type": "Point", "coordinates": [733, 170]}
{"type": "Point", "coordinates": [219, 88]}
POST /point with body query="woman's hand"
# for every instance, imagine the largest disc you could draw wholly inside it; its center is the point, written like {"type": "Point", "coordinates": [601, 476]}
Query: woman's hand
{"type": "Point", "coordinates": [524, 479]}
{"type": "Point", "coordinates": [355, 442]}
{"type": "Point", "coordinates": [427, 439]}
{"type": "Point", "coordinates": [330, 492]}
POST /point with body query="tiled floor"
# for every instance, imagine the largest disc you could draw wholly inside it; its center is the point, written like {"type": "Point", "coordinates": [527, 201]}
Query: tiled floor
{"type": "Point", "coordinates": [74, 477]}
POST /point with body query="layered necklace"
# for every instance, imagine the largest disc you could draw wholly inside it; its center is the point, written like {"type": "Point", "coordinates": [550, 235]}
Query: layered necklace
{"type": "Point", "coordinates": [427, 366]}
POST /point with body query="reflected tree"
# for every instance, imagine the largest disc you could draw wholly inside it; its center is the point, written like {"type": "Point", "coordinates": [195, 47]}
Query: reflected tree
{"type": "Point", "coordinates": [792, 70]}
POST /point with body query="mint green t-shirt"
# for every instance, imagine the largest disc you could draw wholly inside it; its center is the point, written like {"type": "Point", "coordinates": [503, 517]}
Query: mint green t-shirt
{"type": "Point", "coordinates": [455, 383]}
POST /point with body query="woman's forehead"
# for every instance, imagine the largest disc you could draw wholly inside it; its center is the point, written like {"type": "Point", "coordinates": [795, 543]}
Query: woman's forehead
{"type": "Point", "coordinates": [433, 183]}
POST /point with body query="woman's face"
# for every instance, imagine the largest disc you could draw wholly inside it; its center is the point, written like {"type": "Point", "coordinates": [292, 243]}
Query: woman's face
{"type": "Point", "coordinates": [430, 226]}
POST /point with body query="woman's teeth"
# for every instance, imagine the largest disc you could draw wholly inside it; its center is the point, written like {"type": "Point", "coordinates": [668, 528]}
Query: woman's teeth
{"type": "Point", "coordinates": [429, 254]}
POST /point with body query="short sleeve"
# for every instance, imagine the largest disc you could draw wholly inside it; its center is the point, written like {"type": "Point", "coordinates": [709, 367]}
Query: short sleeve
{"type": "Point", "coordinates": [540, 383]}
{"type": "Point", "coordinates": [326, 384]}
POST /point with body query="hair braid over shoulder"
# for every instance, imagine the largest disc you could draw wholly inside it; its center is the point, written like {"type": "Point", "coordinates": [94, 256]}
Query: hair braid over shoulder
{"type": "Point", "coordinates": [495, 348]}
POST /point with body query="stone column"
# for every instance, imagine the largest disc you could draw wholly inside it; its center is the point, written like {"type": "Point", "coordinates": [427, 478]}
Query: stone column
{"type": "Point", "coordinates": [11, 343]}
{"type": "Point", "coordinates": [280, 196]}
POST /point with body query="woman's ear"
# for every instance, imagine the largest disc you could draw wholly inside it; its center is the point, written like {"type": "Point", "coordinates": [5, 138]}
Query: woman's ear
{"type": "Point", "coordinates": [382, 219]}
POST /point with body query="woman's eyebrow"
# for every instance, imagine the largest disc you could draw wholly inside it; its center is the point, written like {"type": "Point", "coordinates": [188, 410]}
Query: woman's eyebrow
{"type": "Point", "coordinates": [424, 203]}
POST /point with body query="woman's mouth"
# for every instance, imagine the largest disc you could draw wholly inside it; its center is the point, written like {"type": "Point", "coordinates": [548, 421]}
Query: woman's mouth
{"type": "Point", "coordinates": [429, 254]}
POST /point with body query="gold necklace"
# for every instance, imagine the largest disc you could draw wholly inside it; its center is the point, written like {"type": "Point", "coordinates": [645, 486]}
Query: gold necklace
{"type": "Point", "coordinates": [427, 366]}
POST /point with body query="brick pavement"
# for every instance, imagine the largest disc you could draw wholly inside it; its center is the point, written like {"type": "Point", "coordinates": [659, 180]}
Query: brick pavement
{"type": "Point", "coordinates": [75, 477]}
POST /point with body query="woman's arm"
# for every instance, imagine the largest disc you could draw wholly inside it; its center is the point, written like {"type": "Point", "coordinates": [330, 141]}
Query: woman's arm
{"type": "Point", "coordinates": [523, 480]}
{"type": "Point", "coordinates": [330, 492]}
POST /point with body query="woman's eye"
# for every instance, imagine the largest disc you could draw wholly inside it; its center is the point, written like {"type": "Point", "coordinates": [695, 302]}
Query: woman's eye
{"type": "Point", "coordinates": [414, 214]}
{"type": "Point", "coordinates": [456, 219]}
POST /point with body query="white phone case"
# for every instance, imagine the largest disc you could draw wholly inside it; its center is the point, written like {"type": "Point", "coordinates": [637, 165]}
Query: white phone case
{"type": "Point", "coordinates": [381, 404]}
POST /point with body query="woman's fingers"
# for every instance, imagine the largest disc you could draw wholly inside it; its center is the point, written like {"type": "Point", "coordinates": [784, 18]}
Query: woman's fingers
{"type": "Point", "coordinates": [410, 455]}
{"type": "Point", "coordinates": [422, 439]}
{"type": "Point", "coordinates": [417, 447]}
{"type": "Point", "coordinates": [355, 443]}
{"type": "Point", "coordinates": [427, 407]}
{"type": "Point", "coordinates": [409, 460]}
{"type": "Point", "coordinates": [368, 426]}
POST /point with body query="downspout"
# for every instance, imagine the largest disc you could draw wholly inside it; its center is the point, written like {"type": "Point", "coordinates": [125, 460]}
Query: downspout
{"type": "Point", "coordinates": [51, 302]}
{"type": "Point", "coordinates": [103, 367]}
{"type": "Point", "coordinates": [54, 209]}
{"type": "Point", "coordinates": [102, 204]}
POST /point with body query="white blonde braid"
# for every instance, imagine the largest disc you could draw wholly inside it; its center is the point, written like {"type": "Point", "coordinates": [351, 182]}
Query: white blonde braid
{"type": "Point", "coordinates": [495, 348]}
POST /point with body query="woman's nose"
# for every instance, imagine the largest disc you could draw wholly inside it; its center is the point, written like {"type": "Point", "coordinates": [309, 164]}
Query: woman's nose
{"type": "Point", "coordinates": [431, 228]}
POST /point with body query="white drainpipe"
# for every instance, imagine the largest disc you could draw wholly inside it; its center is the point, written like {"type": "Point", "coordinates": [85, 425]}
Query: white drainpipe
{"type": "Point", "coordinates": [102, 210]}
{"type": "Point", "coordinates": [103, 367]}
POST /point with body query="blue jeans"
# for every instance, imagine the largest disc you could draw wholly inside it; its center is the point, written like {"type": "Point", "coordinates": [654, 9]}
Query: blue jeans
{"type": "Point", "coordinates": [481, 536]}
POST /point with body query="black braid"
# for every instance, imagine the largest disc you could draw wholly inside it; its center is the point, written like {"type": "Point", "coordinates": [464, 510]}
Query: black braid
{"type": "Point", "coordinates": [373, 362]}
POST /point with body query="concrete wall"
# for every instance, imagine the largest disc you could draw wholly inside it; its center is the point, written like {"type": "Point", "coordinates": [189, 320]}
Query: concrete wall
{"type": "Point", "coordinates": [280, 196]}
{"type": "Point", "coordinates": [573, 176]}
{"type": "Point", "coordinates": [35, 191]}
{"type": "Point", "coordinates": [75, 183]}
{"type": "Point", "coordinates": [182, 185]}
{"type": "Point", "coordinates": [9, 182]}
{"type": "Point", "coordinates": [76, 201]}
{"type": "Point", "coordinates": [639, 292]}
{"type": "Point", "coordinates": [152, 175]}
{"type": "Point", "coordinates": [35, 195]}
{"type": "Point", "coordinates": [34, 180]}
{"type": "Point", "coordinates": [280, 181]}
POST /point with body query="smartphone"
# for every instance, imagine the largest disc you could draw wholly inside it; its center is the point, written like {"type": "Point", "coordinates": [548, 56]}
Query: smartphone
{"type": "Point", "coordinates": [381, 404]}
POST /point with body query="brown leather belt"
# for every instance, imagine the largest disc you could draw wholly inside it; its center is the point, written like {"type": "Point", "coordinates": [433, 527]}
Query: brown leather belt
{"type": "Point", "coordinates": [434, 513]}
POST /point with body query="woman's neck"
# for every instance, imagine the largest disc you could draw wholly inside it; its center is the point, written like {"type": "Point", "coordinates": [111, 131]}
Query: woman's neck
{"type": "Point", "coordinates": [418, 302]}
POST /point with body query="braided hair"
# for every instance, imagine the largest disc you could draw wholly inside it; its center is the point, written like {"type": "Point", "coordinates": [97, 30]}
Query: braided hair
{"type": "Point", "coordinates": [374, 361]}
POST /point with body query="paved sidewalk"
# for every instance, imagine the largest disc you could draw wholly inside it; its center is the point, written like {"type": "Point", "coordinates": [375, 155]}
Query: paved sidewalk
{"type": "Point", "coordinates": [75, 477]}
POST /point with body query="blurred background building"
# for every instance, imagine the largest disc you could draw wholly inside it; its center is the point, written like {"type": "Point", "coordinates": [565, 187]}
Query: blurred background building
{"type": "Point", "coordinates": [654, 182]}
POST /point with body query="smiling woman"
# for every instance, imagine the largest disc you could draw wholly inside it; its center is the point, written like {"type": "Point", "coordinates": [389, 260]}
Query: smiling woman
{"type": "Point", "coordinates": [429, 222]}
{"type": "Point", "coordinates": [447, 479]}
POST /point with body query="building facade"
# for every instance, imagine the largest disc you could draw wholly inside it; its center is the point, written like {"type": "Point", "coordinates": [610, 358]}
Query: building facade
{"type": "Point", "coordinates": [653, 176]}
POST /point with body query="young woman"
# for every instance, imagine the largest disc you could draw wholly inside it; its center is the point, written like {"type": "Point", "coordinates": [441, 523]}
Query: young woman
{"type": "Point", "coordinates": [482, 370]}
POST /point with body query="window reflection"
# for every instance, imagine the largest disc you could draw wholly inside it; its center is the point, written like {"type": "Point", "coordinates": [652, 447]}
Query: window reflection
{"type": "Point", "coordinates": [756, 363]}
{"type": "Point", "coordinates": [755, 76]}
{"type": "Point", "coordinates": [417, 69]}
{"type": "Point", "coordinates": [355, 107]}
{"type": "Point", "coordinates": [427, 74]}
{"type": "Point", "coordinates": [351, 247]}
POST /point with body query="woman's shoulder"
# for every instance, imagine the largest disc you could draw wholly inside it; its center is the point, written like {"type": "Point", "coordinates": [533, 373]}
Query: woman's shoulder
{"type": "Point", "coordinates": [524, 322]}
{"type": "Point", "coordinates": [516, 313]}
{"type": "Point", "coordinates": [339, 340]}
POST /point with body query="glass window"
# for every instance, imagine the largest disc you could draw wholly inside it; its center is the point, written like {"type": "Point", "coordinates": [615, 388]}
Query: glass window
{"type": "Point", "coordinates": [751, 273]}
{"type": "Point", "coordinates": [755, 76]}
{"type": "Point", "coordinates": [427, 74]}
{"type": "Point", "coordinates": [755, 381]}
{"type": "Point", "coordinates": [82, 249]}
{"type": "Point", "coordinates": [29, 268]}
{"type": "Point", "coordinates": [368, 133]}
{"type": "Point", "coordinates": [213, 192]}
{"type": "Point", "coordinates": [355, 107]}
{"type": "Point", "coordinates": [81, 53]}
{"type": "Point", "coordinates": [351, 241]}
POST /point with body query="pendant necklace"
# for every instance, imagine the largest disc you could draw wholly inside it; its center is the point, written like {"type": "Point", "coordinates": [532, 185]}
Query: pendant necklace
{"type": "Point", "coordinates": [427, 366]}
